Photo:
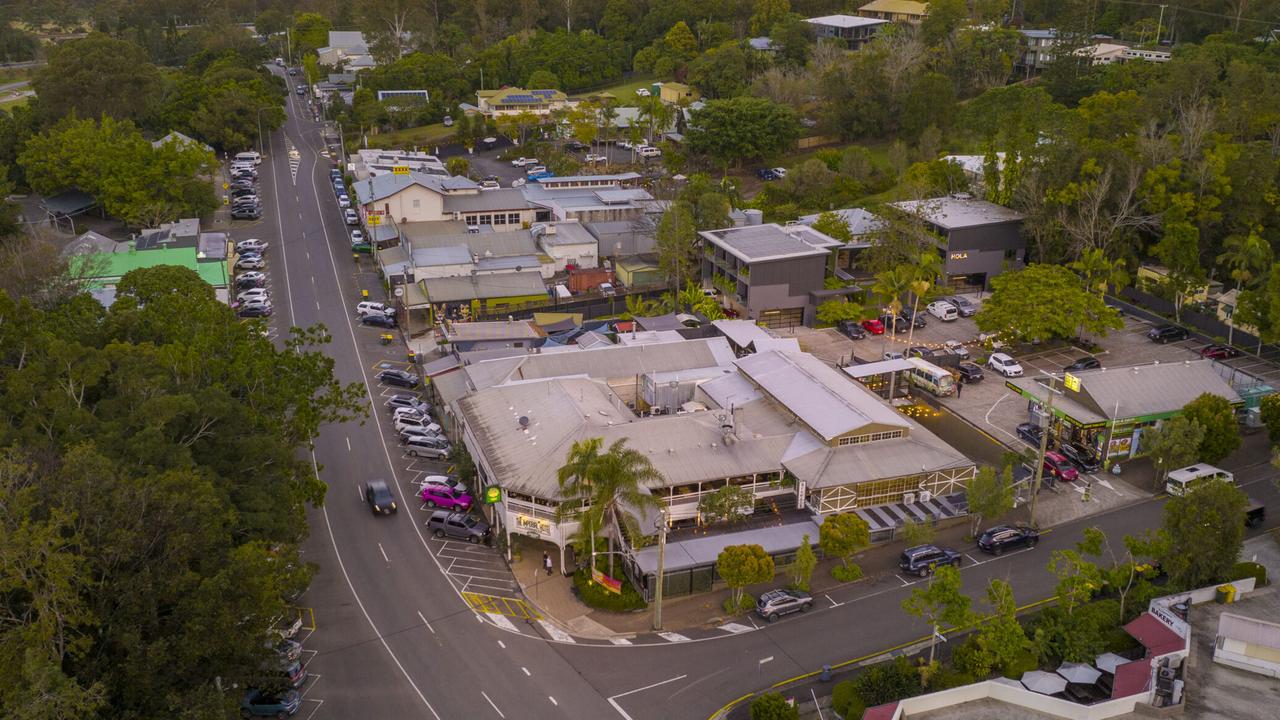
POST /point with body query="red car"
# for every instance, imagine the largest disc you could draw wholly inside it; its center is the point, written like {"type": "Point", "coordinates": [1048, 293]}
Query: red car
{"type": "Point", "coordinates": [873, 326]}
{"type": "Point", "coordinates": [1060, 467]}
{"type": "Point", "coordinates": [1219, 352]}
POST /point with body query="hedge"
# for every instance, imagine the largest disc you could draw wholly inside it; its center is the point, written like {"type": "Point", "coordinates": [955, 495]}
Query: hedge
{"type": "Point", "coordinates": [593, 595]}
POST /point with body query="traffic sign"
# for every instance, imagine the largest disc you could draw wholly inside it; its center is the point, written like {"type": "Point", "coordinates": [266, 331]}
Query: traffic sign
{"type": "Point", "coordinates": [1072, 382]}
{"type": "Point", "coordinates": [492, 494]}
{"type": "Point", "coordinates": [374, 220]}
{"type": "Point", "coordinates": [400, 170]}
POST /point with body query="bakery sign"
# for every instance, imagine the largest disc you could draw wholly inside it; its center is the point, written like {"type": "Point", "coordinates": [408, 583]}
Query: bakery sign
{"type": "Point", "coordinates": [533, 525]}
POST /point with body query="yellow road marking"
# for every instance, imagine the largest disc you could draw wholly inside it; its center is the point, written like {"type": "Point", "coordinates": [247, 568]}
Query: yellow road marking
{"type": "Point", "coordinates": [509, 606]}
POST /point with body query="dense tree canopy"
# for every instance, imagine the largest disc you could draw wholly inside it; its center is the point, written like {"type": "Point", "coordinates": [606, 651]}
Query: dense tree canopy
{"type": "Point", "coordinates": [153, 497]}
{"type": "Point", "coordinates": [742, 128]}
{"type": "Point", "coordinates": [97, 76]}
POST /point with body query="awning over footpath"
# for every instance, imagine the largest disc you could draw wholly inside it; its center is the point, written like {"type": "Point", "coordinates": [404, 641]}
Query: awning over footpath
{"type": "Point", "coordinates": [703, 551]}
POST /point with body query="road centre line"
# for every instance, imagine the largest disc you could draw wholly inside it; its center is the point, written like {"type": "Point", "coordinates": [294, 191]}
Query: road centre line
{"type": "Point", "coordinates": [384, 554]}
{"type": "Point", "coordinates": [502, 645]}
{"type": "Point", "coordinates": [526, 671]}
{"type": "Point", "coordinates": [553, 701]}
{"type": "Point", "coordinates": [424, 622]}
{"type": "Point", "coordinates": [495, 707]}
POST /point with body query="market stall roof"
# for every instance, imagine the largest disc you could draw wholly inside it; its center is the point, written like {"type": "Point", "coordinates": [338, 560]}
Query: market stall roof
{"type": "Point", "coordinates": [871, 369]}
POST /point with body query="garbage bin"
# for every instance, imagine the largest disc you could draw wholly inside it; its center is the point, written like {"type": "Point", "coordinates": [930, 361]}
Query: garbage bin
{"type": "Point", "coordinates": [1225, 594]}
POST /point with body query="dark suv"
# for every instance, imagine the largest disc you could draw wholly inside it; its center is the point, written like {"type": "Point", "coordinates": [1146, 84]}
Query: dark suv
{"type": "Point", "coordinates": [1081, 456]}
{"type": "Point", "coordinates": [461, 526]}
{"type": "Point", "coordinates": [922, 559]}
{"type": "Point", "coordinates": [781, 602]}
{"type": "Point", "coordinates": [851, 329]}
{"type": "Point", "coordinates": [1007, 537]}
{"type": "Point", "coordinates": [1167, 334]}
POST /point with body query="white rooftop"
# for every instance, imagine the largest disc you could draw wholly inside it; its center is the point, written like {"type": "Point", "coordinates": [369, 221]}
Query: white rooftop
{"type": "Point", "coordinates": [954, 212]}
{"type": "Point", "coordinates": [844, 21]}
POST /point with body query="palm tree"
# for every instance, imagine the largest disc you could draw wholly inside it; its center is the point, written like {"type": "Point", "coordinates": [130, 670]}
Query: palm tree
{"type": "Point", "coordinates": [926, 273]}
{"type": "Point", "coordinates": [656, 114]}
{"type": "Point", "coordinates": [1099, 272]}
{"type": "Point", "coordinates": [890, 285]}
{"type": "Point", "coordinates": [602, 489]}
{"type": "Point", "coordinates": [1247, 257]}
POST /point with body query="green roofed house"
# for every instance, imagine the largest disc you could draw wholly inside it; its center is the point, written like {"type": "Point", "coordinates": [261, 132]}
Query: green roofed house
{"type": "Point", "coordinates": [512, 101]}
{"type": "Point", "coordinates": [101, 262]}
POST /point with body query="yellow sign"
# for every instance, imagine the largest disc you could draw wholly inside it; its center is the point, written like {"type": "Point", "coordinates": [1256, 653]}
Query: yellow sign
{"type": "Point", "coordinates": [400, 170]}
{"type": "Point", "coordinates": [1072, 382]}
{"type": "Point", "coordinates": [533, 525]}
{"type": "Point", "coordinates": [962, 255]}
{"type": "Point", "coordinates": [373, 220]}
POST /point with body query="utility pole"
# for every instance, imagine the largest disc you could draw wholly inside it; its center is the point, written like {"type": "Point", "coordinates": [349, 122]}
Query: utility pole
{"type": "Point", "coordinates": [1044, 445]}
{"type": "Point", "coordinates": [1160, 23]}
{"type": "Point", "coordinates": [662, 556]}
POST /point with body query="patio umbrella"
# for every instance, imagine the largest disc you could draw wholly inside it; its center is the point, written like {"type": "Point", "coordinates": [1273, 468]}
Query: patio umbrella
{"type": "Point", "coordinates": [1108, 662]}
{"type": "Point", "coordinates": [1043, 682]}
{"type": "Point", "coordinates": [1079, 673]}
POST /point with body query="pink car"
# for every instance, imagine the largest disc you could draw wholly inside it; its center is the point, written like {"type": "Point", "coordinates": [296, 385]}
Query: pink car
{"type": "Point", "coordinates": [435, 495]}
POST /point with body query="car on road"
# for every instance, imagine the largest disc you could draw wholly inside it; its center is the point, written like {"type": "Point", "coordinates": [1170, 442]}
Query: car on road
{"type": "Point", "coordinates": [535, 168]}
{"type": "Point", "coordinates": [1167, 334]}
{"type": "Point", "coordinates": [893, 324]}
{"type": "Point", "coordinates": [943, 310]}
{"type": "Point", "coordinates": [574, 146]}
{"type": "Point", "coordinates": [875, 327]}
{"type": "Point", "coordinates": [957, 348]}
{"type": "Point", "coordinates": [892, 355]}
{"type": "Point", "coordinates": [361, 247]}
{"type": "Point", "coordinates": [250, 263]}
{"type": "Point", "coordinates": [408, 422]}
{"type": "Point", "coordinates": [643, 92]}
{"type": "Point", "coordinates": [966, 306]}
{"type": "Point", "coordinates": [922, 560]}
{"type": "Point", "coordinates": [398, 378]}
{"type": "Point", "coordinates": [301, 91]}
{"type": "Point", "coordinates": [1057, 465]}
{"type": "Point", "coordinates": [290, 650]}
{"type": "Point", "coordinates": [378, 495]}
{"type": "Point", "coordinates": [781, 601]}
{"type": "Point", "coordinates": [250, 283]}
{"type": "Point", "coordinates": [460, 526]}
{"type": "Point", "coordinates": [344, 201]}
{"type": "Point", "coordinates": [405, 412]}
{"type": "Point", "coordinates": [255, 311]}
{"type": "Point", "coordinates": [969, 373]}
{"type": "Point", "coordinates": [427, 446]}
{"type": "Point", "coordinates": [1030, 433]}
{"type": "Point", "coordinates": [490, 185]}
{"type": "Point", "coordinates": [1005, 365]}
{"type": "Point", "coordinates": [251, 245]}
{"type": "Point", "coordinates": [407, 400]}
{"type": "Point", "coordinates": [434, 495]}
{"type": "Point", "coordinates": [259, 703]}
{"type": "Point", "coordinates": [293, 72]}
{"type": "Point", "coordinates": [778, 172]}
{"type": "Point", "coordinates": [1081, 456]}
{"type": "Point", "coordinates": [649, 151]}
{"type": "Point", "coordinates": [350, 217]}
{"type": "Point", "coordinates": [377, 320]}
{"type": "Point", "coordinates": [366, 307]}
{"type": "Point", "coordinates": [996, 540]}
{"type": "Point", "coordinates": [851, 329]}
{"type": "Point", "coordinates": [1087, 362]}
{"type": "Point", "coordinates": [423, 431]}
{"type": "Point", "coordinates": [335, 174]}
{"type": "Point", "coordinates": [541, 175]}
{"type": "Point", "coordinates": [294, 672]}
{"type": "Point", "coordinates": [1219, 352]}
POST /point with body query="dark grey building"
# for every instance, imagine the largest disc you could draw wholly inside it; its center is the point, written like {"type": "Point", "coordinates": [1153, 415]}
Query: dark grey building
{"type": "Point", "coordinates": [773, 269]}
{"type": "Point", "coordinates": [854, 31]}
{"type": "Point", "coordinates": [979, 239]}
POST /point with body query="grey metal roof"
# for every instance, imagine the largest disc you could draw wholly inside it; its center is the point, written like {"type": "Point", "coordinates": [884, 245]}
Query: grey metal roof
{"type": "Point", "coordinates": [394, 260]}
{"type": "Point", "coordinates": [659, 322]}
{"type": "Point", "coordinates": [756, 243]}
{"type": "Point", "coordinates": [1040, 34]}
{"type": "Point", "coordinates": [741, 332]}
{"type": "Point", "coordinates": [497, 330]}
{"type": "Point", "coordinates": [919, 452]}
{"type": "Point", "coordinates": [570, 179]}
{"type": "Point", "coordinates": [860, 221]}
{"type": "Point", "coordinates": [732, 390]}
{"type": "Point", "coordinates": [844, 21]}
{"type": "Point", "coordinates": [1138, 391]}
{"type": "Point", "coordinates": [592, 339]}
{"type": "Point", "coordinates": [441, 365]}
{"type": "Point", "coordinates": [91, 242]}
{"type": "Point", "coordinates": [881, 367]}
{"type": "Point", "coordinates": [614, 361]}
{"type": "Point", "coordinates": [479, 287]}
{"type": "Point", "coordinates": [451, 386]}
{"type": "Point", "coordinates": [507, 262]}
{"type": "Point", "coordinates": [487, 200]}
{"type": "Point", "coordinates": [447, 255]}
{"type": "Point", "coordinates": [376, 188]}
{"type": "Point", "coordinates": [825, 400]}
{"type": "Point", "coordinates": [703, 551]}
{"type": "Point", "coordinates": [952, 213]}
{"type": "Point", "coordinates": [568, 232]}
{"type": "Point", "coordinates": [498, 244]}
{"type": "Point", "coordinates": [212, 246]}
{"type": "Point", "coordinates": [346, 39]}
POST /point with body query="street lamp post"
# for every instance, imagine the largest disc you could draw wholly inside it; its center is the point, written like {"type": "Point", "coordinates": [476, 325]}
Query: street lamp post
{"type": "Point", "coordinates": [1044, 445]}
{"type": "Point", "coordinates": [662, 552]}
{"type": "Point", "coordinates": [264, 107]}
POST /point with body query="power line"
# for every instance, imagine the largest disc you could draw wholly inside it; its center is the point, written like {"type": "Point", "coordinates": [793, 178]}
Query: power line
{"type": "Point", "coordinates": [1179, 8]}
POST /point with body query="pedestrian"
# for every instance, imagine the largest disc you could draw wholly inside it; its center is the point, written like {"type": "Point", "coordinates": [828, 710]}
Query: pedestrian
{"type": "Point", "coordinates": [546, 562]}
{"type": "Point", "coordinates": [959, 387]}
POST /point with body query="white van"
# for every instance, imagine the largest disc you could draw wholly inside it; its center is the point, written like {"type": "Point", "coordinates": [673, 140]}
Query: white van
{"type": "Point", "coordinates": [943, 310]}
{"type": "Point", "coordinates": [649, 151]}
{"type": "Point", "coordinates": [1184, 480]}
{"type": "Point", "coordinates": [250, 156]}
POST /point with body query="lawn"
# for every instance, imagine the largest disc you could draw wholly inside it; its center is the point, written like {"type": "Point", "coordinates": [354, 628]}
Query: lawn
{"type": "Point", "coordinates": [625, 92]}
{"type": "Point", "coordinates": [421, 137]}
{"type": "Point", "coordinates": [9, 101]}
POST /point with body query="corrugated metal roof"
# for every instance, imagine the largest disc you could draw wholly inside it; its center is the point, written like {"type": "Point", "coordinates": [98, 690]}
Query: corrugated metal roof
{"type": "Point", "coordinates": [703, 551]}
{"type": "Point", "coordinates": [471, 331]}
{"type": "Point", "coordinates": [614, 361]}
{"type": "Point", "coordinates": [487, 200]}
{"type": "Point", "coordinates": [448, 255]}
{"type": "Point", "coordinates": [731, 390]}
{"type": "Point", "coordinates": [741, 332]}
{"type": "Point", "coordinates": [826, 401]}
{"type": "Point", "coordinates": [755, 243]}
{"type": "Point", "coordinates": [952, 213]}
{"type": "Point", "coordinates": [509, 262]}
{"type": "Point", "coordinates": [480, 287]}
{"type": "Point", "coordinates": [1138, 391]}
{"type": "Point", "coordinates": [880, 367]}
{"type": "Point", "coordinates": [920, 452]}
{"type": "Point", "coordinates": [844, 21]}
{"type": "Point", "coordinates": [906, 7]}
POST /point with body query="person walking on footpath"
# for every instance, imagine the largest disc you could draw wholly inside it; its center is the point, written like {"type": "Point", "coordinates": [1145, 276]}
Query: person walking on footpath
{"type": "Point", "coordinates": [546, 562]}
{"type": "Point", "coordinates": [959, 387]}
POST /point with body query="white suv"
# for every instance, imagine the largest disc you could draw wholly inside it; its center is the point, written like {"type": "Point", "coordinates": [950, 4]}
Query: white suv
{"type": "Point", "coordinates": [368, 306]}
{"type": "Point", "coordinates": [1005, 365]}
{"type": "Point", "coordinates": [350, 216]}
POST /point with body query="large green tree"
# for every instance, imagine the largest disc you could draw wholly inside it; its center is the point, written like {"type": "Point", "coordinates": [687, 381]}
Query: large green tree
{"type": "Point", "coordinates": [843, 536]}
{"type": "Point", "coordinates": [1172, 444]}
{"type": "Point", "coordinates": [1041, 302]}
{"type": "Point", "coordinates": [940, 602]}
{"type": "Point", "coordinates": [1205, 531]}
{"type": "Point", "coordinates": [1221, 429]}
{"type": "Point", "coordinates": [740, 566]}
{"type": "Point", "coordinates": [742, 128]}
{"type": "Point", "coordinates": [98, 75]}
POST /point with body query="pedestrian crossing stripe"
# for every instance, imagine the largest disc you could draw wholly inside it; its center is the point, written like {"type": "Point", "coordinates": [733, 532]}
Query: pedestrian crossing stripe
{"type": "Point", "coordinates": [673, 637]}
{"type": "Point", "coordinates": [499, 605]}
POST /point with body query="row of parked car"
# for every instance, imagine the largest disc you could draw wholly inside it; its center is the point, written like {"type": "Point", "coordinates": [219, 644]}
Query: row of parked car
{"type": "Point", "coordinates": [283, 674]}
{"type": "Point", "coordinates": [252, 298]}
{"type": "Point", "coordinates": [242, 190]}
{"type": "Point", "coordinates": [1062, 461]}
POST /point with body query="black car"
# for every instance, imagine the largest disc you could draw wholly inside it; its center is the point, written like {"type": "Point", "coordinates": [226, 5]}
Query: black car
{"type": "Point", "coordinates": [1030, 433]}
{"type": "Point", "coordinates": [851, 329]}
{"type": "Point", "coordinates": [377, 320]}
{"type": "Point", "coordinates": [1081, 457]}
{"type": "Point", "coordinates": [894, 324]}
{"type": "Point", "coordinates": [399, 378]}
{"type": "Point", "coordinates": [920, 351]}
{"type": "Point", "coordinates": [250, 283]}
{"type": "Point", "coordinates": [923, 559]}
{"type": "Point", "coordinates": [1000, 538]}
{"type": "Point", "coordinates": [253, 311]}
{"type": "Point", "coordinates": [782, 602]}
{"type": "Point", "coordinates": [1084, 363]}
{"type": "Point", "coordinates": [575, 146]}
{"type": "Point", "coordinates": [969, 372]}
{"type": "Point", "coordinates": [914, 318]}
{"type": "Point", "coordinates": [379, 497]}
{"type": "Point", "coordinates": [1167, 334]}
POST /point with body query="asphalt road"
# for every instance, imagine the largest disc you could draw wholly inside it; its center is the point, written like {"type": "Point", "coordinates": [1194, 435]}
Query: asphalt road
{"type": "Point", "coordinates": [393, 637]}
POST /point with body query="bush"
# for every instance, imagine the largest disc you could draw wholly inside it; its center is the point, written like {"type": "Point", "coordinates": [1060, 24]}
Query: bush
{"type": "Point", "coordinates": [846, 574]}
{"type": "Point", "coordinates": [595, 596]}
{"type": "Point", "coordinates": [970, 657]}
{"type": "Point", "coordinates": [1249, 569]}
{"type": "Point", "coordinates": [772, 706]}
{"type": "Point", "coordinates": [946, 678]}
{"type": "Point", "coordinates": [887, 682]}
{"type": "Point", "coordinates": [843, 695]}
{"type": "Point", "coordinates": [855, 709]}
{"type": "Point", "coordinates": [1026, 662]}
{"type": "Point", "coordinates": [745, 604]}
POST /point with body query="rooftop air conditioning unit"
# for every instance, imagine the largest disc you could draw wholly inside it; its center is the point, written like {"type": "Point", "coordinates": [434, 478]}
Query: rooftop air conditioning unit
{"type": "Point", "coordinates": [908, 498]}
{"type": "Point", "coordinates": [925, 496]}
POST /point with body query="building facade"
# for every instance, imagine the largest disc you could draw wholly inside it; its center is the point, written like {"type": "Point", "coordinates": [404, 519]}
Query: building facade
{"type": "Point", "coordinates": [977, 239]}
{"type": "Point", "coordinates": [852, 30]}
{"type": "Point", "coordinates": [771, 269]}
